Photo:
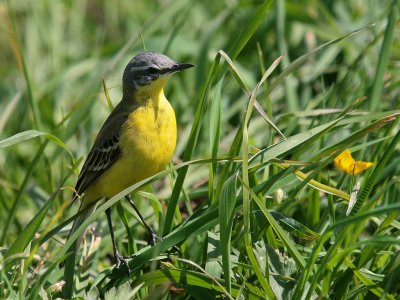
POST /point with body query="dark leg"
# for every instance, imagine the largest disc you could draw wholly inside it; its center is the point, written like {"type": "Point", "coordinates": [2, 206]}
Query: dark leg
{"type": "Point", "coordinates": [118, 257]}
{"type": "Point", "coordinates": [152, 236]}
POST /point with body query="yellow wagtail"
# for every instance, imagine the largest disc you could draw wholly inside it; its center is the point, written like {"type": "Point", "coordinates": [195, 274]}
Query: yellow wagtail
{"type": "Point", "coordinates": [136, 141]}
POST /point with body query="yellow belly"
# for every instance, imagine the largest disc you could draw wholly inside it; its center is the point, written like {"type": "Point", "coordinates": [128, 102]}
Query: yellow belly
{"type": "Point", "coordinates": [147, 141]}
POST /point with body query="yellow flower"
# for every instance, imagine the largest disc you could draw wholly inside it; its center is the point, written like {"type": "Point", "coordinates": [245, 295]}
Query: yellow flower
{"type": "Point", "coordinates": [345, 163]}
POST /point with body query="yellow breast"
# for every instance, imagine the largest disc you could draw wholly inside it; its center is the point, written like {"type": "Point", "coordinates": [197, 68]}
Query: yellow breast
{"type": "Point", "coordinates": [147, 141]}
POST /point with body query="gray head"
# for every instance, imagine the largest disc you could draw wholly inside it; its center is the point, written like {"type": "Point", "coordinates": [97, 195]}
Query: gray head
{"type": "Point", "coordinates": [147, 67]}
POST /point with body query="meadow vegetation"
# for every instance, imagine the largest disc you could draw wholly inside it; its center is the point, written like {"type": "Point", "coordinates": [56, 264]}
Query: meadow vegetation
{"type": "Point", "coordinates": [252, 198]}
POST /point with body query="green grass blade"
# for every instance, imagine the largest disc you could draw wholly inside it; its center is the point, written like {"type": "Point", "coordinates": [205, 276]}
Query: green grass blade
{"type": "Point", "coordinates": [188, 277]}
{"type": "Point", "coordinates": [375, 174]}
{"type": "Point", "coordinates": [344, 225]}
{"type": "Point", "coordinates": [279, 231]}
{"type": "Point", "coordinates": [294, 227]}
{"type": "Point", "coordinates": [346, 142]}
{"type": "Point", "coordinates": [107, 95]}
{"type": "Point", "coordinates": [291, 97]}
{"type": "Point", "coordinates": [30, 134]}
{"type": "Point", "coordinates": [19, 56]}
{"type": "Point", "coordinates": [291, 142]}
{"type": "Point", "coordinates": [226, 214]}
{"type": "Point", "coordinates": [215, 133]}
{"type": "Point", "coordinates": [21, 190]}
{"type": "Point", "coordinates": [384, 56]}
{"type": "Point", "coordinates": [246, 193]}
{"type": "Point", "coordinates": [198, 117]}
{"type": "Point", "coordinates": [302, 59]}
{"type": "Point", "coordinates": [236, 48]}
{"type": "Point", "coordinates": [248, 29]}
{"type": "Point", "coordinates": [31, 229]}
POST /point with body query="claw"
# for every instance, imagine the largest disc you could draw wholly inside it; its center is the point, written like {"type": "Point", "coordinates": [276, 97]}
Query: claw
{"type": "Point", "coordinates": [176, 248]}
{"type": "Point", "coordinates": [119, 259]}
{"type": "Point", "coordinates": [152, 239]}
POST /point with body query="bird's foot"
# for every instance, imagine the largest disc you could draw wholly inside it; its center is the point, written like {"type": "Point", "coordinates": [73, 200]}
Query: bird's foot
{"type": "Point", "coordinates": [152, 239]}
{"type": "Point", "coordinates": [175, 249]}
{"type": "Point", "coordinates": [121, 260]}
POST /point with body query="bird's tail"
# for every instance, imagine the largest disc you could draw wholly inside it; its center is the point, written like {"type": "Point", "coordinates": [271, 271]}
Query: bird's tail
{"type": "Point", "coordinates": [69, 268]}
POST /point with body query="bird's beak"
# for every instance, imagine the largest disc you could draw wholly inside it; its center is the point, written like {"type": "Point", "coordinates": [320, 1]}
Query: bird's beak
{"type": "Point", "coordinates": [180, 67]}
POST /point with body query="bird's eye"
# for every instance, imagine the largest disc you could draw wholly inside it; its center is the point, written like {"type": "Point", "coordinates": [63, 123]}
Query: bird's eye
{"type": "Point", "coordinates": [152, 70]}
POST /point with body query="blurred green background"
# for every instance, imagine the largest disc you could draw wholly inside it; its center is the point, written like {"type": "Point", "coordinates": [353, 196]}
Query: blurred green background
{"type": "Point", "coordinates": [55, 54]}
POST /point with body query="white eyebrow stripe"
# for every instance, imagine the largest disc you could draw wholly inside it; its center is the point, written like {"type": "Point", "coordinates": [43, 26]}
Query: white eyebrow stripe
{"type": "Point", "coordinates": [139, 68]}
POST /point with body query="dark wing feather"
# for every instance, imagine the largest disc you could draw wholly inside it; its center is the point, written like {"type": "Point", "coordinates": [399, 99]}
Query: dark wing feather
{"type": "Point", "coordinates": [97, 162]}
{"type": "Point", "coordinates": [105, 150]}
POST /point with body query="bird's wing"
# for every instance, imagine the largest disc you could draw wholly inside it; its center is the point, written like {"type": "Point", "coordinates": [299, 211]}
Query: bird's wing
{"type": "Point", "coordinates": [104, 152]}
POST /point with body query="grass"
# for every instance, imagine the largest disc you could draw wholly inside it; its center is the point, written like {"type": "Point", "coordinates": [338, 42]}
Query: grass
{"type": "Point", "coordinates": [252, 198]}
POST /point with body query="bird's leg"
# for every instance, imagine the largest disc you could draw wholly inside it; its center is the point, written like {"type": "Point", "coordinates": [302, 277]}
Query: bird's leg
{"type": "Point", "coordinates": [118, 257]}
{"type": "Point", "coordinates": [152, 236]}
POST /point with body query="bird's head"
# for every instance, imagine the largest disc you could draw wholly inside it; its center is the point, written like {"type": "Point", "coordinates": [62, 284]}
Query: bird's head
{"type": "Point", "coordinates": [149, 69]}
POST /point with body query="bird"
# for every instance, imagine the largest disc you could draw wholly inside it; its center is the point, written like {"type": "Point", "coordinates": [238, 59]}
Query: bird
{"type": "Point", "coordinates": [136, 141]}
